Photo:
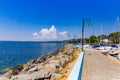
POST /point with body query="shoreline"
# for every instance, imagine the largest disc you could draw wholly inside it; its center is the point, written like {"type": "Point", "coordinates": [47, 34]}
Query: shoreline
{"type": "Point", "coordinates": [47, 66]}
{"type": "Point", "coordinates": [13, 53]}
{"type": "Point", "coordinates": [2, 70]}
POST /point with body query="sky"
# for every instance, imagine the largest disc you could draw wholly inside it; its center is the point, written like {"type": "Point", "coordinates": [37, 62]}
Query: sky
{"type": "Point", "coordinates": [46, 20]}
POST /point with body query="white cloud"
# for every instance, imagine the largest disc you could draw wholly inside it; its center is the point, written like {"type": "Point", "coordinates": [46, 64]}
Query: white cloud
{"type": "Point", "coordinates": [63, 33]}
{"type": "Point", "coordinates": [49, 34]}
{"type": "Point", "coordinates": [35, 35]}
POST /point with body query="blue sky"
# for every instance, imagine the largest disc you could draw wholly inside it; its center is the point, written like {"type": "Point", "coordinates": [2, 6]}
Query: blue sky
{"type": "Point", "coordinates": [29, 20]}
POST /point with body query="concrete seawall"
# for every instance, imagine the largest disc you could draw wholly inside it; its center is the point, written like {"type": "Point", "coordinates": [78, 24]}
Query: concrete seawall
{"type": "Point", "coordinates": [77, 69]}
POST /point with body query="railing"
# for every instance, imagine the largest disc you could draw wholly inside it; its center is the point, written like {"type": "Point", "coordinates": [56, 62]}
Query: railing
{"type": "Point", "coordinates": [76, 72]}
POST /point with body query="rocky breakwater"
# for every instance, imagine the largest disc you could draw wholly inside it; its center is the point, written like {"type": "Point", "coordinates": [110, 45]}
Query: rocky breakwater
{"type": "Point", "coordinates": [47, 67]}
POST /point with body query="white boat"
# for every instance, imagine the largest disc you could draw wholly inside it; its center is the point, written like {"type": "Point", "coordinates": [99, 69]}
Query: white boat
{"type": "Point", "coordinates": [118, 56]}
{"type": "Point", "coordinates": [104, 48]}
{"type": "Point", "coordinates": [108, 48]}
{"type": "Point", "coordinates": [86, 46]}
{"type": "Point", "coordinates": [105, 51]}
{"type": "Point", "coordinates": [118, 46]}
{"type": "Point", "coordinates": [100, 48]}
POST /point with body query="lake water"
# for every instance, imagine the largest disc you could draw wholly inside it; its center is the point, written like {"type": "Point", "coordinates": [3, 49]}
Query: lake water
{"type": "Point", "coordinates": [12, 53]}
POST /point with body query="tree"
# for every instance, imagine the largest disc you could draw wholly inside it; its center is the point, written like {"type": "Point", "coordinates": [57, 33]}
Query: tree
{"type": "Point", "coordinates": [114, 37]}
{"type": "Point", "coordinates": [87, 40]}
{"type": "Point", "coordinates": [93, 39]}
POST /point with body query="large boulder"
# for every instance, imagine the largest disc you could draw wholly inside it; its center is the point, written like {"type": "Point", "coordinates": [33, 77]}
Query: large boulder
{"type": "Point", "coordinates": [54, 75]}
{"type": "Point", "coordinates": [41, 59]}
{"type": "Point", "coordinates": [67, 49]}
{"type": "Point", "coordinates": [33, 70]}
{"type": "Point", "coordinates": [54, 62]}
{"type": "Point", "coordinates": [62, 61]}
{"type": "Point", "coordinates": [7, 74]}
{"type": "Point", "coordinates": [31, 62]}
{"type": "Point", "coordinates": [38, 75]}
{"type": "Point", "coordinates": [27, 67]}
{"type": "Point", "coordinates": [68, 58]}
{"type": "Point", "coordinates": [49, 67]}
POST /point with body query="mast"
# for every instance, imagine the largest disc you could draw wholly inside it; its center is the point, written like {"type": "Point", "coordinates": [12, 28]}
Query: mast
{"type": "Point", "coordinates": [118, 23]}
{"type": "Point", "coordinates": [101, 33]}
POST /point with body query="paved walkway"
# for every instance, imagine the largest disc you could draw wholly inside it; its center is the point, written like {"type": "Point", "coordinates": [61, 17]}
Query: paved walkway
{"type": "Point", "coordinates": [98, 67]}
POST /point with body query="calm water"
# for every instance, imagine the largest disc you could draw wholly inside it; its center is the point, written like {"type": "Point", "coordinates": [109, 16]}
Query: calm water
{"type": "Point", "coordinates": [12, 53]}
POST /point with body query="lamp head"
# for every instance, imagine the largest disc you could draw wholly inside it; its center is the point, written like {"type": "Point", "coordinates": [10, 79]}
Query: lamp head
{"type": "Point", "coordinates": [89, 24]}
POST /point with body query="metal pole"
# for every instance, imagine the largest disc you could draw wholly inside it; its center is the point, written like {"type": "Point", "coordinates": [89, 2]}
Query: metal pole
{"type": "Point", "coordinates": [101, 34]}
{"type": "Point", "coordinates": [82, 34]}
{"type": "Point", "coordinates": [118, 30]}
{"type": "Point", "coordinates": [83, 24]}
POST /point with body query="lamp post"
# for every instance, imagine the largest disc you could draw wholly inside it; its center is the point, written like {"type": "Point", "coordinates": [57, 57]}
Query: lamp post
{"type": "Point", "coordinates": [69, 38]}
{"type": "Point", "coordinates": [83, 24]}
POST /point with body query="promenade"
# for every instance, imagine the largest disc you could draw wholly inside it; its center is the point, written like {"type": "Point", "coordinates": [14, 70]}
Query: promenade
{"type": "Point", "coordinates": [98, 67]}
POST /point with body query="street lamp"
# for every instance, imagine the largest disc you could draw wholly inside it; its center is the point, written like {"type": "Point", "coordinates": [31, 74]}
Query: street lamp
{"type": "Point", "coordinates": [83, 24]}
{"type": "Point", "coordinates": [69, 38]}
